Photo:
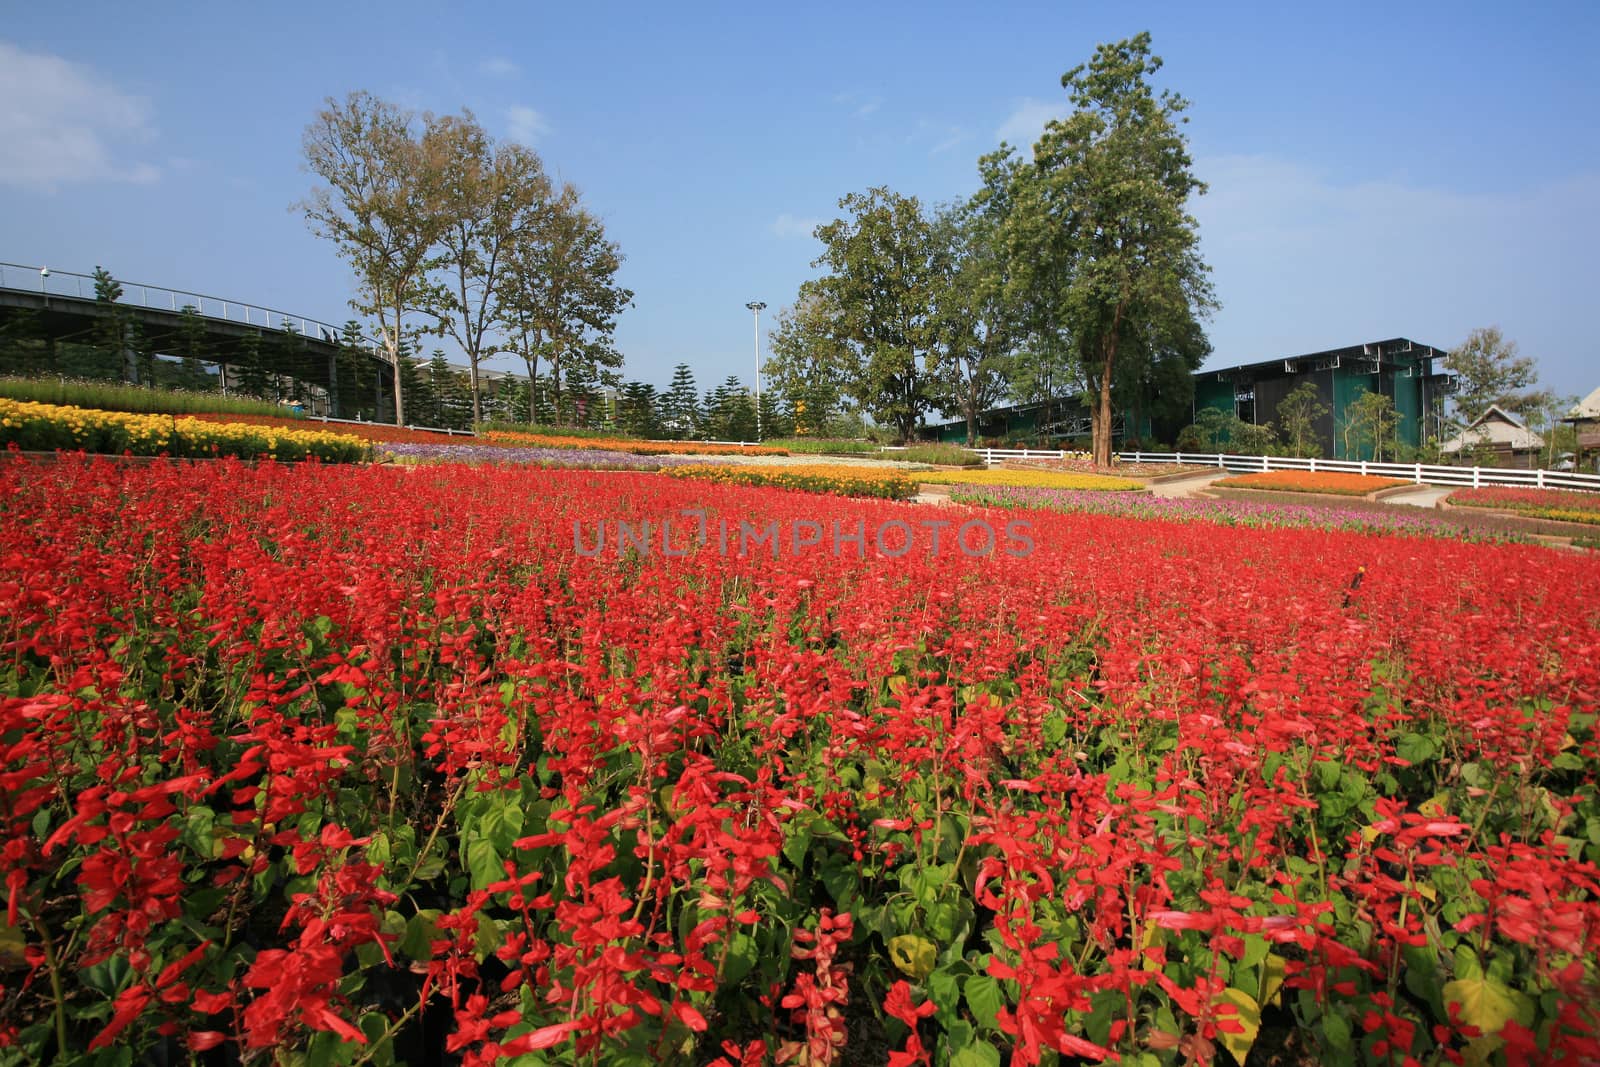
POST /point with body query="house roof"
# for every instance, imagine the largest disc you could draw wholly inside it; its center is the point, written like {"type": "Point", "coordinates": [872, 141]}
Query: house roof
{"type": "Point", "coordinates": [1495, 428]}
{"type": "Point", "coordinates": [1587, 408]}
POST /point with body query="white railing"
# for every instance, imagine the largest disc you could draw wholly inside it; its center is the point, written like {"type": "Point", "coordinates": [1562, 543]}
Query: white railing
{"type": "Point", "coordinates": [1420, 473]}
{"type": "Point", "coordinates": [408, 426]}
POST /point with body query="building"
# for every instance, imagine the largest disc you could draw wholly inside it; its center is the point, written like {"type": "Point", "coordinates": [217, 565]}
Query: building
{"type": "Point", "coordinates": [1585, 419]}
{"type": "Point", "coordinates": [1496, 438]}
{"type": "Point", "coordinates": [1403, 370]}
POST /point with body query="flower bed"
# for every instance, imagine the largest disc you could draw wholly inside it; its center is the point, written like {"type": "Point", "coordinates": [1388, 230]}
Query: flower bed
{"type": "Point", "coordinates": [1224, 512]}
{"type": "Point", "coordinates": [324, 764]}
{"type": "Point", "coordinates": [367, 431]}
{"type": "Point", "coordinates": [1561, 505]}
{"type": "Point", "coordinates": [884, 483]}
{"type": "Point", "coordinates": [1332, 483]}
{"type": "Point", "coordinates": [638, 448]}
{"type": "Point", "coordinates": [48, 427]}
{"type": "Point", "coordinates": [477, 453]}
{"type": "Point", "coordinates": [1036, 479]}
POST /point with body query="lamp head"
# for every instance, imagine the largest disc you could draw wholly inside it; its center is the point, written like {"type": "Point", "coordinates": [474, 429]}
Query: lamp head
{"type": "Point", "coordinates": [44, 272]}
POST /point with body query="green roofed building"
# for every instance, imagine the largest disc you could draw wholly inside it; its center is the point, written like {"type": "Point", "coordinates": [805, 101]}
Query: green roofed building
{"type": "Point", "coordinates": [1409, 373]}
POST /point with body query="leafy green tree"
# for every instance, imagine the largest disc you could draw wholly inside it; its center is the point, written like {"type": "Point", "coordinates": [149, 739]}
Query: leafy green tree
{"type": "Point", "coordinates": [492, 194]}
{"type": "Point", "coordinates": [1098, 235]}
{"type": "Point", "coordinates": [559, 298]}
{"type": "Point", "coordinates": [1298, 413]}
{"type": "Point", "coordinates": [382, 206]}
{"type": "Point", "coordinates": [638, 410]}
{"type": "Point", "coordinates": [680, 407]}
{"type": "Point", "coordinates": [253, 377]}
{"type": "Point", "coordinates": [1370, 421]}
{"type": "Point", "coordinates": [1489, 370]}
{"type": "Point", "coordinates": [290, 358]}
{"type": "Point", "coordinates": [883, 265]}
{"type": "Point", "coordinates": [355, 367]}
{"type": "Point", "coordinates": [25, 349]}
{"type": "Point", "coordinates": [774, 422]}
{"type": "Point", "coordinates": [112, 327]}
{"type": "Point", "coordinates": [193, 349]}
{"type": "Point", "coordinates": [975, 327]}
{"type": "Point", "coordinates": [807, 361]}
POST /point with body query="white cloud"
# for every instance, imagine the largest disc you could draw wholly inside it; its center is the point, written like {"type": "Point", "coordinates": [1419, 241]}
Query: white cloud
{"type": "Point", "coordinates": [787, 225]}
{"type": "Point", "coordinates": [526, 125]}
{"type": "Point", "coordinates": [499, 67]}
{"type": "Point", "coordinates": [60, 122]}
{"type": "Point", "coordinates": [1027, 121]}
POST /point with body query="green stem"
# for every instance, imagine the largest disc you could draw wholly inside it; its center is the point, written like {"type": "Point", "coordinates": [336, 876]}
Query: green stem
{"type": "Point", "coordinates": [56, 994]}
{"type": "Point", "coordinates": [388, 1033]}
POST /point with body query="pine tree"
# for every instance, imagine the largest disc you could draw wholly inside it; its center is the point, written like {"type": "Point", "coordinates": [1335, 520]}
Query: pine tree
{"type": "Point", "coordinates": [253, 379]}
{"type": "Point", "coordinates": [680, 405]}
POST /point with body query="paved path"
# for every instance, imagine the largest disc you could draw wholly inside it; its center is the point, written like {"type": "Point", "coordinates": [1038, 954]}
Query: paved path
{"type": "Point", "coordinates": [1423, 496]}
{"type": "Point", "coordinates": [1185, 487]}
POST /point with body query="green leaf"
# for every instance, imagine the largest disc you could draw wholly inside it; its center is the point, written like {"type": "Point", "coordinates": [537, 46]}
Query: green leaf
{"type": "Point", "coordinates": [985, 999]}
{"type": "Point", "coordinates": [420, 935]}
{"type": "Point", "coordinates": [1487, 1004]}
{"type": "Point", "coordinates": [483, 863]}
{"type": "Point", "coordinates": [914, 956]}
{"type": "Point", "coordinates": [12, 944]}
{"type": "Point", "coordinates": [1415, 748]}
{"type": "Point", "coordinates": [978, 1054]}
{"type": "Point", "coordinates": [1248, 1013]}
{"type": "Point", "coordinates": [1337, 1030]}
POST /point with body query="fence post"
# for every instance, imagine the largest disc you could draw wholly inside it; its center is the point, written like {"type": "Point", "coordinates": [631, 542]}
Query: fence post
{"type": "Point", "coordinates": [1264, 463]}
{"type": "Point", "coordinates": [1539, 478]}
{"type": "Point", "coordinates": [1313, 464]}
{"type": "Point", "coordinates": [1475, 482]}
{"type": "Point", "coordinates": [1363, 468]}
{"type": "Point", "coordinates": [1419, 474]}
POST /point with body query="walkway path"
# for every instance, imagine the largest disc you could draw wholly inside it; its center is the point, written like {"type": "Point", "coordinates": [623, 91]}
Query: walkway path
{"type": "Point", "coordinates": [1179, 488]}
{"type": "Point", "coordinates": [1423, 496]}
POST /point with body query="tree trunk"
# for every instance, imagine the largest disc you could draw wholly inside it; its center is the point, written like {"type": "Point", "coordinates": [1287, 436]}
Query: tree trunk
{"type": "Point", "coordinates": [1101, 417]}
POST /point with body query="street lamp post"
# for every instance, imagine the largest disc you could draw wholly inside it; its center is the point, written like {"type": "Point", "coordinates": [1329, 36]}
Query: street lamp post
{"type": "Point", "coordinates": [756, 306]}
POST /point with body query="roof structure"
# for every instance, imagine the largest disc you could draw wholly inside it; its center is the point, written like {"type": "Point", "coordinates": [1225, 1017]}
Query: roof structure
{"type": "Point", "coordinates": [1497, 429]}
{"type": "Point", "coordinates": [1395, 351]}
{"type": "Point", "coordinates": [1586, 409]}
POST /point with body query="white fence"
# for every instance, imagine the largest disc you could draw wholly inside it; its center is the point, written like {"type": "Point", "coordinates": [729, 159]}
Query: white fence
{"type": "Point", "coordinates": [1413, 472]}
{"type": "Point", "coordinates": [369, 422]}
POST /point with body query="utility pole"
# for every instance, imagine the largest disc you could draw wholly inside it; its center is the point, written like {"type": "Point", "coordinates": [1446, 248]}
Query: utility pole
{"type": "Point", "coordinates": [756, 306]}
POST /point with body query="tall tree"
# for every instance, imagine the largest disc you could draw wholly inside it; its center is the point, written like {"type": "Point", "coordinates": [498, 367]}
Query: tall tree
{"type": "Point", "coordinates": [680, 407]}
{"type": "Point", "coordinates": [1489, 370]}
{"type": "Point", "coordinates": [1298, 413]}
{"type": "Point", "coordinates": [975, 326]}
{"type": "Point", "coordinates": [1099, 221]}
{"type": "Point", "coordinates": [1370, 419]}
{"type": "Point", "coordinates": [113, 325]}
{"type": "Point", "coordinates": [382, 206]}
{"type": "Point", "coordinates": [808, 362]}
{"type": "Point", "coordinates": [559, 297]}
{"type": "Point", "coordinates": [491, 194]}
{"type": "Point", "coordinates": [638, 410]}
{"type": "Point", "coordinates": [883, 263]}
{"type": "Point", "coordinates": [193, 348]}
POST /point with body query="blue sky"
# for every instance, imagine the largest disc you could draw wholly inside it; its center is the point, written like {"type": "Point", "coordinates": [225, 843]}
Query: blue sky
{"type": "Point", "coordinates": [1374, 171]}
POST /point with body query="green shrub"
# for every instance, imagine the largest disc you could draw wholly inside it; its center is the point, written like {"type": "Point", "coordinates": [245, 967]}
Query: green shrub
{"type": "Point", "coordinates": [822, 446]}
{"type": "Point", "coordinates": [139, 399]}
{"type": "Point", "coordinates": [940, 455]}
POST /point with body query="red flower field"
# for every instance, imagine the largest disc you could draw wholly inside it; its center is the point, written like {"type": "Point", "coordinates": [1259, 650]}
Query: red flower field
{"type": "Point", "coordinates": [364, 765]}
